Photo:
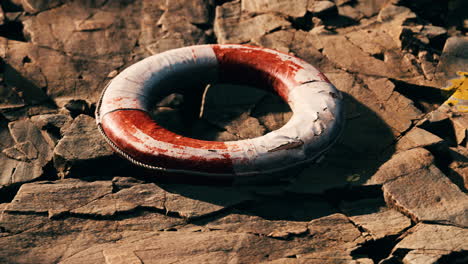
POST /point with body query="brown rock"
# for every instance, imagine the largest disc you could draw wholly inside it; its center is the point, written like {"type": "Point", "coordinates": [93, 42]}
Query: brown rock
{"type": "Point", "coordinates": [196, 12]}
{"type": "Point", "coordinates": [198, 247]}
{"type": "Point", "coordinates": [272, 112]}
{"type": "Point", "coordinates": [454, 58]}
{"type": "Point", "coordinates": [25, 153]}
{"type": "Point", "coordinates": [41, 240]}
{"type": "Point", "coordinates": [2, 16]}
{"type": "Point", "coordinates": [230, 26]}
{"type": "Point", "coordinates": [83, 45]}
{"type": "Point", "coordinates": [370, 129]}
{"type": "Point", "coordinates": [242, 223]}
{"type": "Point", "coordinates": [294, 8]}
{"type": "Point", "coordinates": [334, 226]}
{"type": "Point", "coordinates": [228, 107]}
{"type": "Point", "coordinates": [35, 6]}
{"type": "Point", "coordinates": [375, 218]}
{"type": "Point", "coordinates": [417, 137]}
{"type": "Point", "coordinates": [459, 165]}
{"type": "Point", "coordinates": [152, 196]}
{"type": "Point", "coordinates": [57, 121]}
{"type": "Point", "coordinates": [433, 198]}
{"type": "Point", "coordinates": [396, 14]}
{"type": "Point", "coordinates": [57, 197]}
{"type": "Point", "coordinates": [428, 243]}
{"type": "Point", "coordinates": [401, 164]}
{"type": "Point", "coordinates": [318, 7]}
{"type": "Point", "coordinates": [81, 145]}
{"type": "Point", "coordinates": [362, 8]}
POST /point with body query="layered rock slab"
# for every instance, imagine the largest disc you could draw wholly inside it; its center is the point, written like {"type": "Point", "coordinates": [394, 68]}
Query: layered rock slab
{"type": "Point", "coordinates": [415, 186]}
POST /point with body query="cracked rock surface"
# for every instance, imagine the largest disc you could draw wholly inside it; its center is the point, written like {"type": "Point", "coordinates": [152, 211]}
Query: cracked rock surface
{"type": "Point", "coordinates": [393, 189]}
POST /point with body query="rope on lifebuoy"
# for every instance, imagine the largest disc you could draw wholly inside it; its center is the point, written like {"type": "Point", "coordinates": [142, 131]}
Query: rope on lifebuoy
{"type": "Point", "coordinates": [122, 111]}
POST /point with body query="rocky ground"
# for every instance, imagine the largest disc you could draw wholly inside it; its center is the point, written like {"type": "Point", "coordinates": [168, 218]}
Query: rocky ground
{"type": "Point", "coordinates": [393, 189]}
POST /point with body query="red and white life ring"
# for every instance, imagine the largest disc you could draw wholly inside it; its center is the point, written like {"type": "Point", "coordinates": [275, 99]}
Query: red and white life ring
{"type": "Point", "coordinates": [123, 118]}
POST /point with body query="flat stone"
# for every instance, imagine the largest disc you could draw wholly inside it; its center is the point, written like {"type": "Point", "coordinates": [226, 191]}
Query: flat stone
{"type": "Point", "coordinates": [81, 145]}
{"type": "Point", "coordinates": [35, 6]}
{"type": "Point", "coordinates": [228, 108]}
{"type": "Point", "coordinates": [54, 124]}
{"type": "Point", "coordinates": [57, 121]}
{"type": "Point", "coordinates": [25, 153]}
{"type": "Point", "coordinates": [153, 196]}
{"type": "Point", "coordinates": [196, 12]}
{"type": "Point", "coordinates": [2, 16]}
{"type": "Point", "coordinates": [434, 198]}
{"type": "Point", "coordinates": [428, 243]}
{"type": "Point", "coordinates": [401, 164]}
{"type": "Point", "coordinates": [10, 98]}
{"type": "Point", "coordinates": [417, 137]}
{"type": "Point", "coordinates": [318, 7]}
{"type": "Point", "coordinates": [375, 218]}
{"type": "Point", "coordinates": [66, 237]}
{"type": "Point", "coordinates": [380, 42]}
{"type": "Point", "coordinates": [459, 164]}
{"type": "Point", "coordinates": [328, 229]}
{"type": "Point", "coordinates": [460, 125]}
{"type": "Point", "coordinates": [219, 245]}
{"type": "Point", "coordinates": [81, 45]}
{"type": "Point", "coordinates": [243, 223]}
{"type": "Point", "coordinates": [230, 26]}
{"type": "Point", "coordinates": [200, 247]}
{"type": "Point", "coordinates": [294, 8]}
{"type": "Point", "coordinates": [272, 112]}
{"type": "Point", "coordinates": [361, 9]}
{"type": "Point", "coordinates": [396, 14]}
{"type": "Point", "coordinates": [57, 197]}
{"type": "Point", "coordinates": [392, 63]}
{"type": "Point", "coordinates": [454, 58]}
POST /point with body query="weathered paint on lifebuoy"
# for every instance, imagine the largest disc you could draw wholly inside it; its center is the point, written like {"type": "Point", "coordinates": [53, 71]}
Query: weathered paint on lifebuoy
{"type": "Point", "coordinates": [122, 112]}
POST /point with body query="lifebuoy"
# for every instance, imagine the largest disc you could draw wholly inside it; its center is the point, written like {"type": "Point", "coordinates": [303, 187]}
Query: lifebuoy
{"type": "Point", "coordinates": [122, 112]}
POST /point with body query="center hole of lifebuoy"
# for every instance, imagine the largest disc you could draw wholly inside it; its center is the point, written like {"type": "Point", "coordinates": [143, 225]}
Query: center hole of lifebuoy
{"type": "Point", "coordinates": [222, 112]}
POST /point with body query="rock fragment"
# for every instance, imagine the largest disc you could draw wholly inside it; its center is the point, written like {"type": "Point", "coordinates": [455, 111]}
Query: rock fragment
{"type": "Point", "coordinates": [459, 165]}
{"type": "Point", "coordinates": [231, 26]}
{"type": "Point", "coordinates": [54, 198]}
{"type": "Point", "coordinates": [294, 8]}
{"type": "Point", "coordinates": [243, 223]}
{"type": "Point", "coordinates": [152, 196]}
{"type": "Point", "coordinates": [417, 137]}
{"type": "Point", "coordinates": [454, 58]}
{"type": "Point", "coordinates": [25, 153]}
{"type": "Point", "coordinates": [433, 199]}
{"type": "Point", "coordinates": [361, 9]}
{"type": "Point", "coordinates": [196, 12]}
{"type": "Point", "coordinates": [81, 146]}
{"type": "Point", "coordinates": [403, 163]}
{"type": "Point", "coordinates": [375, 218]}
{"type": "Point", "coordinates": [319, 7]}
{"type": "Point", "coordinates": [428, 243]}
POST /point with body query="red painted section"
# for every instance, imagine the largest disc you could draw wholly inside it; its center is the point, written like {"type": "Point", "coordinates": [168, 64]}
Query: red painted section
{"type": "Point", "coordinates": [256, 67]}
{"type": "Point", "coordinates": [122, 126]}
